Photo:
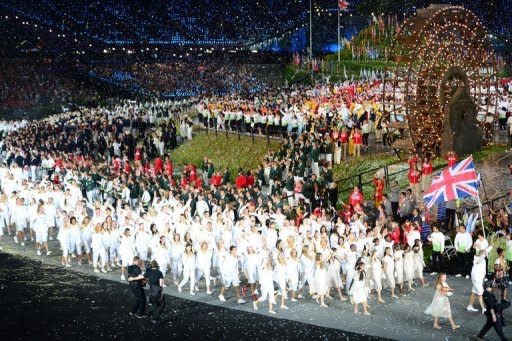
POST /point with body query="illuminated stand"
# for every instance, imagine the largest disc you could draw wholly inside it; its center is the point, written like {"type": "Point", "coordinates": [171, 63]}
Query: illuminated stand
{"type": "Point", "coordinates": [441, 88]}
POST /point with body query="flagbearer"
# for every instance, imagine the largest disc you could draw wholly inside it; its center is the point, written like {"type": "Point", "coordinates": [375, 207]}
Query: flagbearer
{"type": "Point", "coordinates": [463, 243]}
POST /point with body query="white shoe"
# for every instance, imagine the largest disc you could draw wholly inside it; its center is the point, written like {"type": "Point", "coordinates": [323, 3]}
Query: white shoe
{"type": "Point", "coordinates": [73, 255]}
{"type": "Point", "coordinates": [467, 276]}
{"type": "Point", "coordinates": [103, 270]}
{"type": "Point", "coordinates": [284, 307]}
{"type": "Point", "coordinates": [433, 273]}
{"type": "Point", "coordinates": [293, 300]}
{"type": "Point", "coordinates": [192, 293]}
{"type": "Point", "coordinates": [458, 275]}
{"type": "Point", "coordinates": [255, 305]}
{"type": "Point", "coordinates": [471, 308]}
{"type": "Point", "coordinates": [22, 243]}
{"type": "Point", "coordinates": [221, 297]}
{"type": "Point", "coordinates": [48, 253]}
{"type": "Point", "coordinates": [483, 310]}
{"type": "Point", "coordinates": [209, 292]}
{"type": "Point", "coordinates": [16, 239]}
{"type": "Point", "coordinates": [96, 270]}
{"type": "Point", "coordinates": [123, 278]}
{"type": "Point", "coordinates": [68, 265]}
{"type": "Point", "coordinates": [240, 301]}
{"type": "Point", "coordinates": [179, 288]}
{"type": "Point", "coordinates": [39, 252]}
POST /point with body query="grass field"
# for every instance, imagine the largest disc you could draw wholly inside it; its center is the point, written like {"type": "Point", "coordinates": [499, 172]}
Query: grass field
{"type": "Point", "coordinates": [224, 151]}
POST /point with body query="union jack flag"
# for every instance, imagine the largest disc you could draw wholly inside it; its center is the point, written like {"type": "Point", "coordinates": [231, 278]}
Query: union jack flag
{"type": "Point", "coordinates": [459, 181]}
{"type": "Point", "coordinates": [343, 5]}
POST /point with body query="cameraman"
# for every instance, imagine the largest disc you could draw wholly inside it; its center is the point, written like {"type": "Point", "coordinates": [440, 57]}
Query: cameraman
{"type": "Point", "coordinates": [492, 313]}
{"type": "Point", "coordinates": [136, 279]}
{"type": "Point", "coordinates": [155, 279]}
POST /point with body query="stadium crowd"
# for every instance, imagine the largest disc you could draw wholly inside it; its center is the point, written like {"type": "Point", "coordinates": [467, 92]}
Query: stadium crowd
{"type": "Point", "coordinates": [101, 182]}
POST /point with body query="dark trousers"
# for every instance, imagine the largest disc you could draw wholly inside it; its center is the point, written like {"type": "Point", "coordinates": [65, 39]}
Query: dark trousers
{"type": "Point", "coordinates": [497, 327]}
{"type": "Point", "coordinates": [450, 217]}
{"type": "Point", "coordinates": [463, 263]}
{"type": "Point", "coordinates": [394, 209]}
{"type": "Point", "coordinates": [437, 261]}
{"type": "Point", "coordinates": [139, 306]}
{"type": "Point", "coordinates": [157, 300]}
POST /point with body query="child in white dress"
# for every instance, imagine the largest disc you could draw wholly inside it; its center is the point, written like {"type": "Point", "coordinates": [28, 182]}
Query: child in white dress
{"type": "Point", "coordinates": [266, 285]}
{"type": "Point", "coordinates": [189, 268]}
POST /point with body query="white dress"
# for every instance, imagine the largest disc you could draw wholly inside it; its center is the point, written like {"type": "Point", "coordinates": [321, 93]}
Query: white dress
{"type": "Point", "coordinates": [320, 280]}
{"type": "Point", "coordinates": [408, 266]}
{"type": "Point", "coordinates": [440, 306]}
{"type": "Point", "coordinates": [399, 266]}
{"type": "Point", "coordinates": [334, 271]}
{"type": "Point", "coordinates": [359, 289]}
{"type": "Point", "coordinates": [377, 274]}
{"type": "Point", "coordinates": [292, 273]}
{"type": "Point", "coordinates": [389, 273]}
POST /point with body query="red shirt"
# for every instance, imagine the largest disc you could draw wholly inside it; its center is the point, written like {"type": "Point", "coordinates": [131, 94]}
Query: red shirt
{"type": "Point", "coordinates": [414, 177]}
{"type": "Point", "coordinates": [452, 160]}
{"type": "Point", "coordinates": [344, 138]}
{"type": "Point", "coordinates": [427, 168]}
{"type": "Point", "coordinates": [250, 180]}
{"type": "Point", "coordinates": [395, 236]}
{"type": "Point", "coordinates": [193, 173]}
{"type": "Point", "coordinates": [216, 180]}
{"type": "Point", "coordinates": [168, 168]}
{"type": "Point", "coordinates": [241, 181]}
{"type": "Point", "coordinates": [127, 167]}
{"type": "Point", "coordinates": [138, 154]}
{"type": "Point", "coordinates": [158, 165]}
{"type": "Point", "coordinates": [357, 138]}
{"type": "Point", "coordinates": [355, 198]}
{"type": "Point", "coordinates": [412, 162]}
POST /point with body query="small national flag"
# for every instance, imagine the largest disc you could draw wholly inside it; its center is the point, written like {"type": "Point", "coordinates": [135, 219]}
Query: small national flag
{"type": "Point", "coordinates": [343, 5]}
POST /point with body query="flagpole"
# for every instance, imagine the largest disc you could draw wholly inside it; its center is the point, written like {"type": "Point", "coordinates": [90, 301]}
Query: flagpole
{"type": "Point", "coordinates": [339, 36]}
{"type": "Point", "coordinates": [311, 36]}
{"type": "Point", "coordinates": [481, 214]}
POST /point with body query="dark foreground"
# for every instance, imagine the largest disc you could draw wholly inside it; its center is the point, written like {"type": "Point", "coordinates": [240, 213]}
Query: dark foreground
{"type": "Point", "coordinates": [41, 302]}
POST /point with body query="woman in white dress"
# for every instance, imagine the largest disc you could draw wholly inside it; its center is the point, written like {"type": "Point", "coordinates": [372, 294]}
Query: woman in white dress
{"type": "Point", "coordinates": [204, 265]}
{"type": "Point", "coordinates": [408, 267]}
{"type": "Point", "coordinates": [419, 262]}
{"type": "Point", "coordinates": [177, 249]}
{"type": "Point", "coordinates": [99, 253]}
{"type": "Point", "coordinates": [398, 257]}
{"type": "Point", "coordinates": [307, 270]}
{"type": "Point", "coordinates": [389, 270]}
{"type": "Point", "coordinates": [266, 285]}
{"type": "Point", "coordinates": [126, 251]}
{"type": "Point", "coordinates": [359, 289]}
{"type": "Point", "coordinates": [280, 278]}
{"type": "Point", "coordinates": [320, 280]}
{"type": "Point", "coordinates": [440, 306]}
{"type": "Point", "coordinates": [478, 273]}
{"type": "Point", "coordinates": [86, 235]}
{"type": "Point", "coordinates": [75, 240]}
{"type": "Point", "coordinates": [189, 268]}
{"type": "Point", "coordinates": [376, 265]}
{"type": "Point", "coordinates": [251, 268]}
{"type": "Point", "coordinates": [64, 237]}
{"type": "Point", "coordinates": [162, 255]}
{"type": "Point", "coordinates": [292, 273]}
{"type": "Point", "coordinates": [142, 240]}
{"type": "Point", "coordinates": [20, 218]}
{"type": "Point", "coordinates": [41, 230]}
{"type": "Point", "coordinates": [334, 272]}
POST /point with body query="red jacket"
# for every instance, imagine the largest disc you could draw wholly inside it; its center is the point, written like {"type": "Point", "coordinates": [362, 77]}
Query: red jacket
{"type": "Point", "coordinates": [159, 165]}
{"type": "Point", "coordinates": [241, 181]}
{"type": "Point", "coordinates": [357, 138]}
{"type": "Point", "coordinates": [138, 154]}
{"type": "Point", "coordinates": [169, 168]}
{"type": "Point", "coordinates": [355, 198]}
{"type": "Point", "coordinates": [414, 177]}
{"type": "Point", "coordinates": [427, 168]}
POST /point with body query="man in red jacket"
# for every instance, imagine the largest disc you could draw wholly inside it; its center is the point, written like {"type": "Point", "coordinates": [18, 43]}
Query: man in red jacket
{"type": "Point", "coordinates": [159, 165]}
{"type": "Point", "coordinates": [241, 180]}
